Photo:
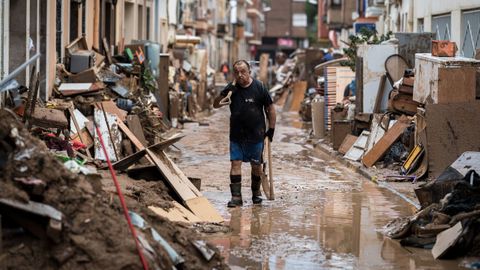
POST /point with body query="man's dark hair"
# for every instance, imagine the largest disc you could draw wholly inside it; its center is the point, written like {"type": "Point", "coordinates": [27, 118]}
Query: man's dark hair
{"type": "Point", "coordinates": [241, 61]}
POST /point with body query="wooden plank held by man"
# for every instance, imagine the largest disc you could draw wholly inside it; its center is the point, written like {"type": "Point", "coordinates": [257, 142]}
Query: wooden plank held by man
{"type": "Point", "coordinates": [267, 176]}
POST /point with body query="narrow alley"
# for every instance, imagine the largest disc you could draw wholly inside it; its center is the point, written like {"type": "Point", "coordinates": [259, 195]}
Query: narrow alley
{"type": "Point", "coordinates": [239, 134]}
{"type": "Point", "coordinates": [324, 216]}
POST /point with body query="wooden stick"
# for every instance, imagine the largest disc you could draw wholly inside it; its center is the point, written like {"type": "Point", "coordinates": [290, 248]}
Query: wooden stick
{"type": "Point", "coordinates": [270, 169]}
{"type": "Point", "coordinates": [132, 137]}
{"type": "Point", "coordinates": [109, 131]}
{"type": "Point", "coordinates": [34, 100]}
{"type": "Point", "coordinates": [31, 89]}
{"type": "Point", "coordinates": [77, 127]}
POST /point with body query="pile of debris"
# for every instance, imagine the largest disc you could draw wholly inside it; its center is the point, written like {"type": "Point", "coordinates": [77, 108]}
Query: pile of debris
{"type": "Point", "coordinates": [449, 222]}
{"type": "Point", "coordinates": [53, 218]}
{"type": "Point", "coordinates": [58, 211]}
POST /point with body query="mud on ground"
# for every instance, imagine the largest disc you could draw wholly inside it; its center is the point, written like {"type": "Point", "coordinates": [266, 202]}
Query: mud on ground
{"type": "Point", "coordinates": [95, 234]}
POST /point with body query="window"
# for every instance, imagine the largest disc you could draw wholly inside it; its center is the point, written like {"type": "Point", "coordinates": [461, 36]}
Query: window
{"type": "Point", "coordinates": [249, 25]}
{"type": "Point", "coordinates": [74, 10]}
{"type": "Point", "coordinates": [58, 37]}
{"type": "Point", "coordinates": [470, 41]}
{"type": "Point", "coordinates": [299, 20]}
{"type": "Point", "coordinates": [3, 41]}
{"type": "Point", "coordinates": [420, 25]}
{"type": "Point", "coordinates": [441, 25]}
{"type": "Point", "coordinates": [148, 23]}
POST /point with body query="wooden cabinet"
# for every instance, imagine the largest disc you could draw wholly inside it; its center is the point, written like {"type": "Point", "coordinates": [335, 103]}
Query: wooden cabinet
{"type": "Point", "coordinates": [440, 80]}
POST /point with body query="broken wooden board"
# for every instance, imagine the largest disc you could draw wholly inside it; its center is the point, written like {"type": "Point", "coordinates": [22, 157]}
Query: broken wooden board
{"type": "Point", "coordinates": [107, 140]}
{"type": "Point", "coordinates": [451, 130]}
{"type": "Point", "coordinates": [178, 213]}
{"type": "Point", "coordinates": [446, 240]}
{"type": "Point", "coordinates": [49, 118]}
{"type": "Point", "coordinates": [390, 137]}
{"type": "Point", "coordinates": [133, 123]}
{"type": "Point", "coordinates": [298, 94]}
{"type": "Point", "coordinates": [181, 185]}
{"type": "Point", "coordinates": [357, 150]}
{"type": "Point", "coordinates": [36, 208]}
{"type": "Point", "coordinates": [26, 214]}
{"type": "Point", "coordinates": [191, 196]}
{"type": "Point", "coordinates": [178, 185]}
{"type": "Point", "coordinates": [130, 135]}
{"type": "Point", "coordinates": [70, 89]}
{"type": "Point", "coordinates": [124, 163]}
{"type": "Point", "coordinates": [81, 120]}
{"type": "Point", "coordinates": [112, 108]}
{"type": "Point", "coordinates": [203, 209]}
{"type": "Point", "coordinates": [347, 143]}
{"type": "Point", "coordinates": [127, 161]}
{"type": "Point", "coordinates": [86, 136]}
{"type": "Point", "coordinates": [380, 124]}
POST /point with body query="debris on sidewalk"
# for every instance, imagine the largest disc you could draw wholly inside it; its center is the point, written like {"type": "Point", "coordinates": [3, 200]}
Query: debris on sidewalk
{"type": "Point", "coordinates": [85, 225]}
{"type": "Point", "coordinates": [60, 173]}
{"type": "Point", "coordinates": [450, 226]}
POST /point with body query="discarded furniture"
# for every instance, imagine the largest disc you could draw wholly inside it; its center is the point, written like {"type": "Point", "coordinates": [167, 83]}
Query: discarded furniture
{"type": "Point", "coordinates": [451, 129]}
{"type": "Point", "coordinates": [444, 79]}
{"type": "Point", "coordinates": [374, 57]}
{"type": "Point", "coordinates": [340, 129]}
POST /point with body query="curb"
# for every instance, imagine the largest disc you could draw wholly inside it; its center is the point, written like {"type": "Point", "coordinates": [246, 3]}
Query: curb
{"type": "Point", "coordinates": [358, 168]}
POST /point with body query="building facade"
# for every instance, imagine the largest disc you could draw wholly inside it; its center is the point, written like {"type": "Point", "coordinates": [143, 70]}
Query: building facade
{"type": "Point", "coordinates": [285, 27]}
{"type": "Point", "coordinates": [458, 21]}
{"type": "Point", "coordinates": [228, 29]}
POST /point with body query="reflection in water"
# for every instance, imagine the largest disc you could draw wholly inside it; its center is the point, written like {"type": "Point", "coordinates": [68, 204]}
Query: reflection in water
{"type": "Point", "coordinates": [320, 223]}
{"type": "Point", "coordinates": [324, 216]}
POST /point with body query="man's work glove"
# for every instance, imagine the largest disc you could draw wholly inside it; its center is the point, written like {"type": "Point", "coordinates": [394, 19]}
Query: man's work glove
{"type": "Point", "coordinates": [269, 133]}
{"type": "Point", "coordinates": [228, 88]}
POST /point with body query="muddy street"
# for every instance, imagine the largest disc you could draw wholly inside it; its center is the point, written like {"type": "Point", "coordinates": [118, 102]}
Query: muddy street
{"type": "Point", "coordinates": [324, 215]}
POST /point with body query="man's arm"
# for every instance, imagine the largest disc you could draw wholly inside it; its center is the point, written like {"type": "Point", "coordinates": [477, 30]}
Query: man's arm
{"type": "Point", "coordinates": [271, 115]}
{"type": "Point", "coordinates": [216, 101]}
{"type": "Point", "coordinates": [222, 95]}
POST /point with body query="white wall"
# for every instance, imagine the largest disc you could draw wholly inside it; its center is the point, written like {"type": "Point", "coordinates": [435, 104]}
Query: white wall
{"type": "Point", "coordinates": [427, 8]}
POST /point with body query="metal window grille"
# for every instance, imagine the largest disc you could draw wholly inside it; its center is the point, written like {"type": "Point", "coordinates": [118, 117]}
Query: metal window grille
{"type": "Point", "coordinates": [442, 25]}
{"type": "Point", "coordinates": [470, 33]}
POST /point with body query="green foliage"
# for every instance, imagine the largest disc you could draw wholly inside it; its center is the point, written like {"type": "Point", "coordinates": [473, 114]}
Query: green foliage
{"type": "Point", "coordinates": [366, 36]}
{"type": "Point", "coordinates": [148, 80]}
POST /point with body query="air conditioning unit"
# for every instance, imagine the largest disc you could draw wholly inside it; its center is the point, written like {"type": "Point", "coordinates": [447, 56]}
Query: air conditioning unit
{"type": "Point", "coordinates": [379, 2]}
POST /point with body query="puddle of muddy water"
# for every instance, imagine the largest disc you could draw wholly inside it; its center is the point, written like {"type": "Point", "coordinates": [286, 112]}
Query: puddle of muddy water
{"type": "Point", "coordinates": [324, 216]}
{"type": "Point", "coordinates": [318, 228]}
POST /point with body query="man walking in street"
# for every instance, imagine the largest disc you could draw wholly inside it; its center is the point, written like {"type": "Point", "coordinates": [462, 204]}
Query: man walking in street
{"type": "Point", "coordinates": [250, 102]}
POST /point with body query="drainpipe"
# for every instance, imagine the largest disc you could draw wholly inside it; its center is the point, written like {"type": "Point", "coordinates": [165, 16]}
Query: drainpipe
{"type": "Point", "coordinates": [410, 16]}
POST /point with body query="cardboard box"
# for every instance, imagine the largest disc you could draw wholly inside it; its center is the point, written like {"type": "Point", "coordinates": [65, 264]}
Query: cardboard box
{"type": "Point", "coordinates": [443, 48]}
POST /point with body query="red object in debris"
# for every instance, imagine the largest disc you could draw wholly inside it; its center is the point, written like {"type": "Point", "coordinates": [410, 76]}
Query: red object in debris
{"type": "Point", "coordinates": [122, 201]}
{"type": "Point", "coordinates": [78, 145]}
{"type": "Point", "coordinates": [443, 48]}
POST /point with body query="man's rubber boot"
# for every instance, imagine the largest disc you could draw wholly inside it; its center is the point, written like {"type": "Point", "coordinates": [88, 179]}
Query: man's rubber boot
{"type": "Point", "coordinates": [256, 193]}
{"type": "Point", "coordinates": [236, 190]}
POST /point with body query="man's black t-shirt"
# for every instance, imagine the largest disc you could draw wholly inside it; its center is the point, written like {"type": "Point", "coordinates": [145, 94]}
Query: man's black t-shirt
{"type": "Point", "coordinates": [247, 119]}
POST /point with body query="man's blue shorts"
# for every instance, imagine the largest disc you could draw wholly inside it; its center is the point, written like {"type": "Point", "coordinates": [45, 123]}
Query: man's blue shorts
{"type": "Point", "coordinates": [246, 152]}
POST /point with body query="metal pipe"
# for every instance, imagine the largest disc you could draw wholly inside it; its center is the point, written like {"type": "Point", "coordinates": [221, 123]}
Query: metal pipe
{"type": "Point", "coordinates": [18, 70]}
